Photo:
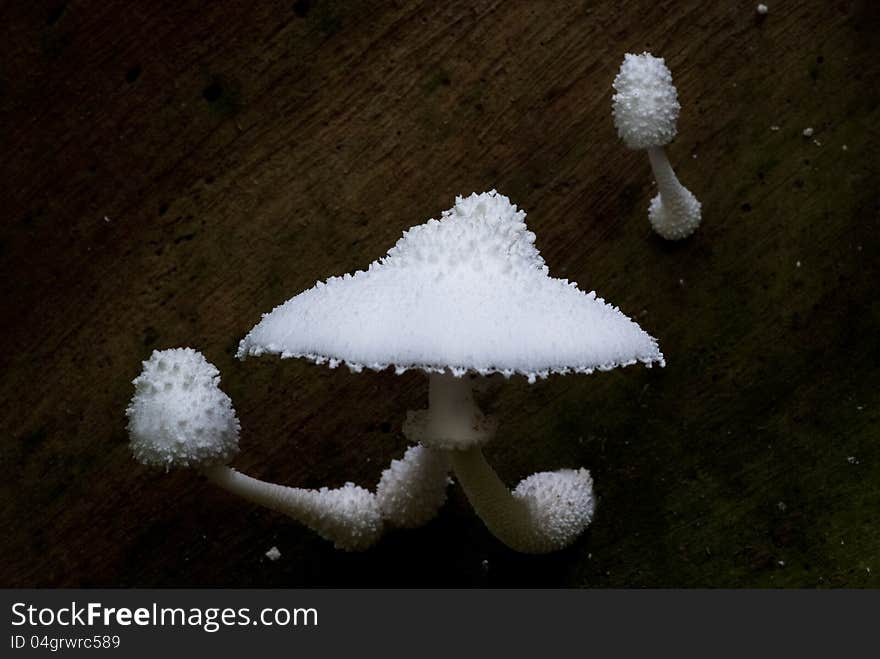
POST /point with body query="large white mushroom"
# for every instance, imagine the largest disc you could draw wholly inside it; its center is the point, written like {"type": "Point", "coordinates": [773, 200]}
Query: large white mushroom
{"type": "Point", "coordinates": [466, 293]}
{"type": "Point", "coordinates": [645, 113]}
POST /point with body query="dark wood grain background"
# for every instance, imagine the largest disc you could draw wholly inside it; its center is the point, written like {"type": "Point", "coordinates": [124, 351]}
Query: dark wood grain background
{"type": "Point", "coordinates": [171, 170]}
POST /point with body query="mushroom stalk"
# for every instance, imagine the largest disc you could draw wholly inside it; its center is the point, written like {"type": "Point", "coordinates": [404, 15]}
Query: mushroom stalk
{"type": "Point", "coordinates": [674, 212]}
{"type": "Point", "coordinates": [667, 182]}
{"type": "Point", "coordinates": [412, 489]}
{"type": "Point", "coordinates": [348, 516]}
{"type": "Point", "coordinates": [545, 512]}
{"type": "Point", "coordinates": [451, 405]}
{"type": "Point", "coordinates": [506, 517]}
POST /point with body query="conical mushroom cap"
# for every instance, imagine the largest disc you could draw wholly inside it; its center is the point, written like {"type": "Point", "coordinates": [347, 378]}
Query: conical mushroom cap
{"type": "Point", "coordinates": [467, 292]}
{"type": "Point", "coordinates": [645, 103]}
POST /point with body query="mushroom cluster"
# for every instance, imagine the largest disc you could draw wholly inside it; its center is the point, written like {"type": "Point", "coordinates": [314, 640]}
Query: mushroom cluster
{"type": "Point", "coordinates": [645, 114]}
{"type": "Point", "coordinates": [462, 297]}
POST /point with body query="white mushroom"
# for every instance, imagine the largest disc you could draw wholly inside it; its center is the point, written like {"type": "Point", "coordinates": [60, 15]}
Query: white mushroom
{"type": "Point", "coordinates": [179, 417]}
{"type": "Point", "coordinates": [468, 292]}
{"type": "Point", "coordinates": [645, 114]}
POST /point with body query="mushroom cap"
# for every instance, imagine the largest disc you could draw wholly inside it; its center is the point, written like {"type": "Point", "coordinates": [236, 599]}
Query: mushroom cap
{"type": "Point", "coordinates": [646, 103]}
{"type": "Point", "coordinates": [178, 416]}
{"type": "Point", "coordinates": [467, 292]}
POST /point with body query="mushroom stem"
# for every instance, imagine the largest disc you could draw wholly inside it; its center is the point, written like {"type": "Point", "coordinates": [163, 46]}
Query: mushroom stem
{"type": "Point", "coordinates": [452, 420]}
{"type": "Point", "coordinates": [674, 212]}
{"type": "Point", "coordinates": [412, 489]}
{"type": "Point", "coordinates": [667, 181]}
{"type": "Point", "coordinates": [504, 516]}
{"type": "Point", "coordinates": [451, 405]}
{"type": "Point", "coordinates": [545, 512]}
{"type": "Point", "coordinates": [347, 516]}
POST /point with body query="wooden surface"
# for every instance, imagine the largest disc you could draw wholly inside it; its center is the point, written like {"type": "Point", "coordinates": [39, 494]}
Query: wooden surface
{"type": "Point", "coordinates": [174, 169]}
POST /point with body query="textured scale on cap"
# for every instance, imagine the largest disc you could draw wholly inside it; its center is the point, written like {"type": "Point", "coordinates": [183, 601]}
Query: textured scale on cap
{"type": "Point", "coordinates": [645, 103]}
{"type": "Point", "coordinates": [178, 416]}
{"type": "Point", "coordinates": [467, 292]}
{"type": "Point", "coordinates": [560, 503]}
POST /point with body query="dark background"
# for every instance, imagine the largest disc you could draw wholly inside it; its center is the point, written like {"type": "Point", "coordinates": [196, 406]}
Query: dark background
{"type": "Point", "coordinates": [174, 169]}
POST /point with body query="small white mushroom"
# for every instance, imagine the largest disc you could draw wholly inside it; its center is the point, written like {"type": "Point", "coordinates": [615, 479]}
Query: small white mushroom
{"type": "Point", "coordinates": [466, 293]}
{"type": "Point", "coordinates": [179, 417]}
{"type": "Point", "coordinates": [645, 113]}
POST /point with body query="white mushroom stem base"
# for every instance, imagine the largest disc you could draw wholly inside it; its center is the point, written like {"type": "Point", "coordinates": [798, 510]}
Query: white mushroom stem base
{"type": "Point", "coordinates": [675, 212]}
{"type": "Point", "coordinates": [348, 516]}
{"type": "Point", "coordinates": [546, 512]}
